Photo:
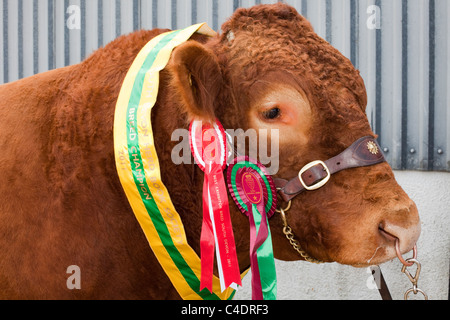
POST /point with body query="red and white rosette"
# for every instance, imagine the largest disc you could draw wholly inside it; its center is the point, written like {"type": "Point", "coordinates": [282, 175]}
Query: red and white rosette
{"type": "Point", "coordinates": [209, 148]}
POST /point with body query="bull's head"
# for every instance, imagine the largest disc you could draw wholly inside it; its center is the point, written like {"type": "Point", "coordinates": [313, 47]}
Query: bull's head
{"type": "Point", "coordinates": [269, 70]}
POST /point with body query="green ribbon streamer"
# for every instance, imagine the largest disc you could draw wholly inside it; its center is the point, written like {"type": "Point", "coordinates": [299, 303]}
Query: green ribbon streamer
{"type": "Point", "coordinates": [266, 260]}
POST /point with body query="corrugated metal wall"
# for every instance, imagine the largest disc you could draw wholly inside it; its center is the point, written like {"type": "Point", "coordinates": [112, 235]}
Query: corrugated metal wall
{"type": "Point", "coordinates": [402, 48]}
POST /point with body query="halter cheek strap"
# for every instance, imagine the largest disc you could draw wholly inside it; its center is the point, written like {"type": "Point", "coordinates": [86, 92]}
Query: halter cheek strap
{"type": "Point", "coordinates": [363, 153]}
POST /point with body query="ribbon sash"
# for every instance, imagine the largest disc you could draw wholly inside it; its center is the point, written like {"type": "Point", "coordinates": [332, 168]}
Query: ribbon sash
{"type": "Point", "coordinates": [138, 167]}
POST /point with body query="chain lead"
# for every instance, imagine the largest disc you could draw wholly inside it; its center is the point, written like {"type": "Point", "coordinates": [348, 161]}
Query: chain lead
{"type": "Point", "coordinates": [414, 280]}
{"type": "Point", "coordinates": [287, 230]}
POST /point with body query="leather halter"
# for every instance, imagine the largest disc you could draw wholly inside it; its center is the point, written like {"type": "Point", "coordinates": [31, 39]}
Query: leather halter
{"type": "Point", "coordinates": [363, 153]}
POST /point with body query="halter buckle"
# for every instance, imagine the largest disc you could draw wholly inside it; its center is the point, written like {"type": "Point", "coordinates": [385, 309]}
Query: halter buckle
{"type": "Point", "coordinates": [322, 182]}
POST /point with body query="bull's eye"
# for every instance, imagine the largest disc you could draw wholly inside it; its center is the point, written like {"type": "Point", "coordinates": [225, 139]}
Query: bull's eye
{"type": "Point", "coordinates": [272, 114]}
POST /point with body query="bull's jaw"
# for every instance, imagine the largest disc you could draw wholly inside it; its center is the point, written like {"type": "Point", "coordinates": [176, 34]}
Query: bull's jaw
{"type": "Point", "coordinates": [376, 249]}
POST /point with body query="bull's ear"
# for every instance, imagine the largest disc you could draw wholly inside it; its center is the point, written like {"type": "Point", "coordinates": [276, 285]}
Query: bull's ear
{"type": "Point", "coordinates": [197, 79]}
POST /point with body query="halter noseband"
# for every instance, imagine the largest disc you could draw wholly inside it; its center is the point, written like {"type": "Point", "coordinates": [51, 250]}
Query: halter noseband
{"type": "Point", "coordinates": [315, 175]}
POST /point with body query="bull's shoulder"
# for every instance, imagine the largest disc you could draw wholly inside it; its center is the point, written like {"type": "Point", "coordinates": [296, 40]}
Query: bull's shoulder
{"type": "Point", "coordinates": [122, 51]}
{"type": "Point", "coordinates": [32, 97]}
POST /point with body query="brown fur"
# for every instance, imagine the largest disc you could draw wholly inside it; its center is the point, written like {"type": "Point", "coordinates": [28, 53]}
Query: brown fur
{"type": "Point", "coordinates": [61, 202]}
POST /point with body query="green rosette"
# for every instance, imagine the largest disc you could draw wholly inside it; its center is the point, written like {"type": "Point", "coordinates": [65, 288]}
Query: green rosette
{"type": "Point", "coordinates": [254, 192]}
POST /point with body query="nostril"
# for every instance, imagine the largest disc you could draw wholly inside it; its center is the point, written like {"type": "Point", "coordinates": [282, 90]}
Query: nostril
{"type": "Point", "coordinates": [407, 235]}
{"type": "Point", "coordinates": [385, 233]}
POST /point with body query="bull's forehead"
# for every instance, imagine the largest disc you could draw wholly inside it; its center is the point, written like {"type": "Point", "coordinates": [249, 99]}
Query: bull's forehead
{"type": "Point", "coordinates": [271, 38]}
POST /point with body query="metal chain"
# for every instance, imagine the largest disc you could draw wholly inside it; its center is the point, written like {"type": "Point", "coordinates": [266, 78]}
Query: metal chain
{"type": "Point", "coordinates": [287, 230]}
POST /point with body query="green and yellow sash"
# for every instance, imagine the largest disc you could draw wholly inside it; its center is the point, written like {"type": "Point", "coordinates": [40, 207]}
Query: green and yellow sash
{"type": "Point", "coordinates": [138, 167]}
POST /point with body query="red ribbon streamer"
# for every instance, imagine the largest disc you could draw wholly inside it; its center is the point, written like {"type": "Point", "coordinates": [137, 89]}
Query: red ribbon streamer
{"type": "Point", "coordinates": [206, 243]}
{"type": "Point", "coordinates": [215, 207]}
{"type": "Point", "coordinates": [223, 227]}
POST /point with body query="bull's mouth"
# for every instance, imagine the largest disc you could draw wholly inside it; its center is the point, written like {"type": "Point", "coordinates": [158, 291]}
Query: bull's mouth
{"type": "Point", "coordinates": [386, 253]}
{"type": "Point", "coordinates": [383, 253]}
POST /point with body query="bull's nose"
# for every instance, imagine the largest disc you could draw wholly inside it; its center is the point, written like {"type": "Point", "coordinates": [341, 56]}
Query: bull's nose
{"type": "Point", "coordinates": [402, 224]}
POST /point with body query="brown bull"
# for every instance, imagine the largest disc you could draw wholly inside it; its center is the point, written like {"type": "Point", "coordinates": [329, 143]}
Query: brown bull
{"type": "Point", "coordinates": [62, 204]}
